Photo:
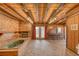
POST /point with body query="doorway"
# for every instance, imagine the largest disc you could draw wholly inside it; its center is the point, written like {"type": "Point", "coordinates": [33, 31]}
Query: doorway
{"type": "Point", "coordinates": [40, 32]}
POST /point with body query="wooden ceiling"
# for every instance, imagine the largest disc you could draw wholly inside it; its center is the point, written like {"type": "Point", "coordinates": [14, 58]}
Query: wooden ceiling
{"type": "Point", "coordinates": [36, 13]}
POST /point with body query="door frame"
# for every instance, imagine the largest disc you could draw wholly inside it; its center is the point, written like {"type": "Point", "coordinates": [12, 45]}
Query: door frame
{"type": "Point", "coordinates": [34, 32]}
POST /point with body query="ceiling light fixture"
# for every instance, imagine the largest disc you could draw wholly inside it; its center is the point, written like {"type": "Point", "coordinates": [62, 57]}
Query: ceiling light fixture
{"type": "Point", "coordinates": [52, 20]}
{"type": "Point", "coordinates": [29, 19]}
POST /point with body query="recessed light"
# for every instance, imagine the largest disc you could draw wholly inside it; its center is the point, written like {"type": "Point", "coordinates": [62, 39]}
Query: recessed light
{"type": "Point", "coordinates": [52, 20]}
{"type": "Point", "coordinates": [29, 19]}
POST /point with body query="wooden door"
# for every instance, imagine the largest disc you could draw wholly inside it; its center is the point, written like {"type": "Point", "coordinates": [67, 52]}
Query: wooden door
{"type": "Point", "coordinates": [70, 33]}
{"type": "Point", "coordinates": [76, 21]}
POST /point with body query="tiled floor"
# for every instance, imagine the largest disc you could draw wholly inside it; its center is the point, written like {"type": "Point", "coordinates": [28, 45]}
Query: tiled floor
{"type": "Point", "coordinates": [47, 48]}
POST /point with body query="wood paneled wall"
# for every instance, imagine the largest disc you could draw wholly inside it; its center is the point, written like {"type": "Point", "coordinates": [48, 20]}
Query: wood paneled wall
{"type": "Point", "coordinates": [26, 27]}
{"type": "Point", "coordinates": [72, 33]}
{"type": "Point", "coordinates": [53, 27]}
{"type": "Point", "coordinates": [8, 24]}
{"type": "Point", "coordinates": [11, 25]}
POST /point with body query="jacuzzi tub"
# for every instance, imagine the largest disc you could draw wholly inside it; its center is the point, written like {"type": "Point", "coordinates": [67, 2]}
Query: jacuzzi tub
{"type": "Point", "coordinates": [11, 48]}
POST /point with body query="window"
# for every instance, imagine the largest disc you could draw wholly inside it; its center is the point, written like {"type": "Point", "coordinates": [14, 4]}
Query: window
{"type": "Point", "coordinates": [40, 32]}
{"type": "Point", "coordinates": [59, 30]}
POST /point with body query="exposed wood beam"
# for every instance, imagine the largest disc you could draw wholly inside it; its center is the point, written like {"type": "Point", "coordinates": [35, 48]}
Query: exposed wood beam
{"type": "Point", "coordinates": [37, 13]}
{"type": "Point", "coordinates": [51, 8]}
{"type": "Point", "coordinates": [55, 12]}
{"type": "Point", "coordinates": [69, 12]}
{"type": "Point", "coordinates": [18, 12]}
{"type": "Point", "coordinates": [9, 16]}
{"type": "Point", "coordinates": [32, 7]}
{"type": "Point", "coordinates": [8, 10]}
{"type": "Point", "coordinates": [73, 10]}
{"type": "Point", "coordinates": [46, 12]}
{"type": "Point", "coordinates": [27, 12]}
{"type": "Point", "coordinates": [41, 9]}
{"type": "Point", "coordinates": [15, 11]}
{"type": "Point", "coordinates": [63, 12]}
{"type": "Point", "coordinates": [2, 11]}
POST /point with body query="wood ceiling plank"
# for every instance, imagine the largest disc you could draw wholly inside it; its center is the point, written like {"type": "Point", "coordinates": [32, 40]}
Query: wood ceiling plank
{"type": "Point", "coordinates": [74, 10]}
{"type": "Point", "coordinates": [63, 13]}
{"type": "Point", "coordinates": [19, 10]}
{"type": "Point", "coordinates": [51, 9]}
{"type": "Point", "coordinates": [14, 11]}
{"type": "Point", "coordinates": [27, 12]}
{"type": "Point", "coordinates": [3, 12]}
{"type": "Point", "coordinates": [39, 13]}
{"type": "Point", "coordinates": [9, 11]}
{"type": "Point", "coordinates": [33, 9]}
{"type": "Point", "coordinates": [66, 9]}
{"type": "Point", "coordinates": [55, 12]}
{"type": "Point", "coordinates": [42, 10]}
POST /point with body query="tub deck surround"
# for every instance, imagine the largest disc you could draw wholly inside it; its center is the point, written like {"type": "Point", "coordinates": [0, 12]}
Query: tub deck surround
{"type": "Point", "coordinates": [15, 51]}
{"type": "Point", "coordinates": [5, 43]}
{"type": "Point", "coordinates": [22, 48]}
{"type": "Point", "coordinates": [9, 52]}
{"type": "Point", "coordinates": [47, 48]}
{"type": "Point", "coordinates": [8, 37]}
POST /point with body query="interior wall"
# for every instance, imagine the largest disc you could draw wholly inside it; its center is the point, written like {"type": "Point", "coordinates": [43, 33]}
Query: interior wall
{"type": "Point", "coordinates": [51, 27]}
{"type": "Point", "coordinates": [56, 31]}
{"type": "Point", "coordinates": [8, 25]}
{"type": "Point", "coordinates": [72, 24]}
{"type": "Point", "coordinates": [27, 27]}
{"type": "Point", "coordinates": [54, 28]}
{"type": "Point", "coordinates": [8, 28]}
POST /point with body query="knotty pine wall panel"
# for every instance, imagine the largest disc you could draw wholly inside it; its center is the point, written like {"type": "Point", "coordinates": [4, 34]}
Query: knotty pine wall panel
{"type": "Point", "coordinates": [27, 27]}
{"type": "Point", "coordinates": [76, 18]}
{"type": "Point", "coordinates": [73, 34]}
{"type": "Point", "coordinates": [8, 24]}
{"type": "Point", "coordinates": [70, 33]}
